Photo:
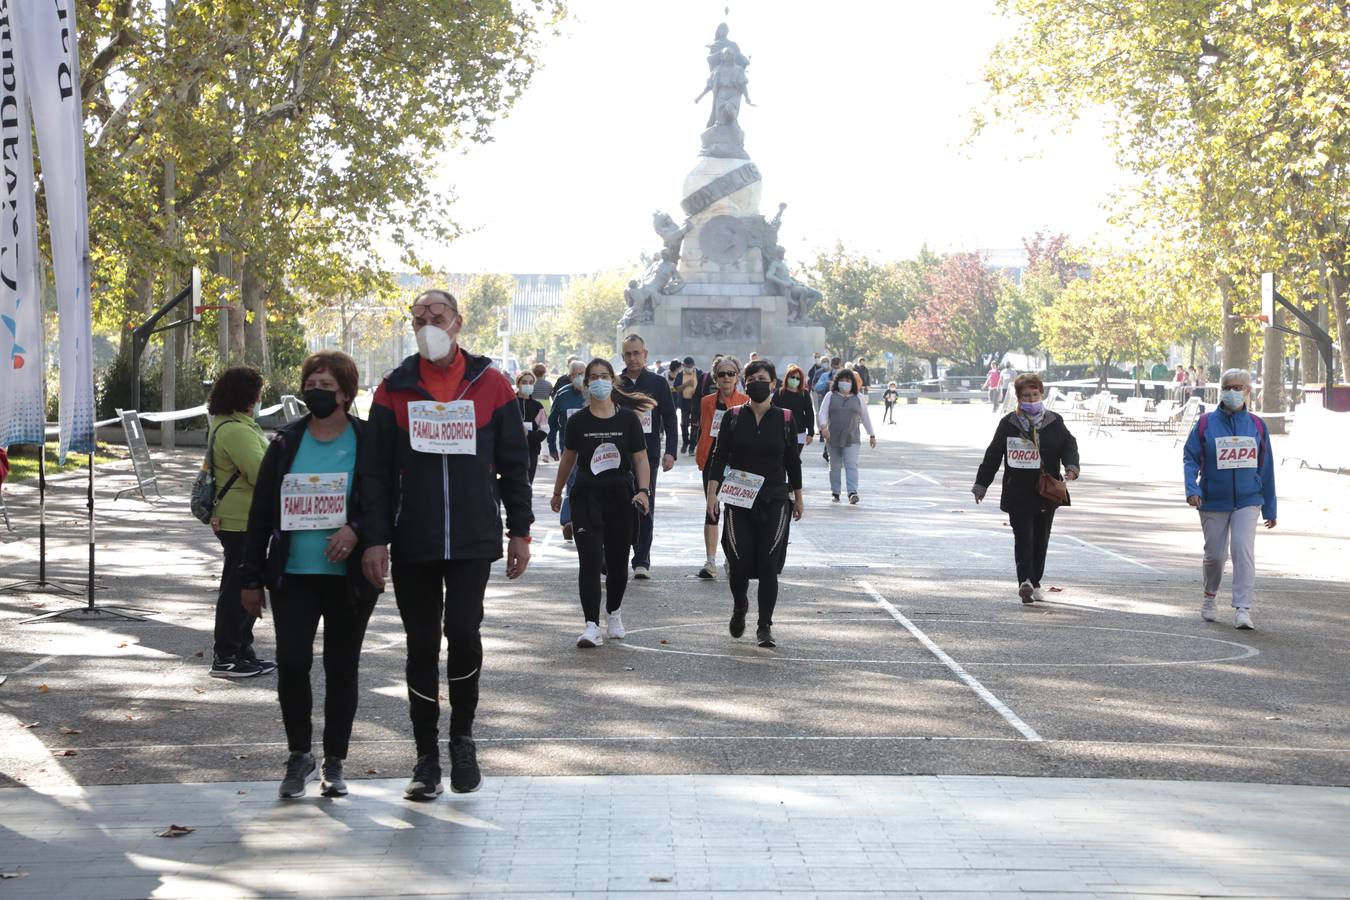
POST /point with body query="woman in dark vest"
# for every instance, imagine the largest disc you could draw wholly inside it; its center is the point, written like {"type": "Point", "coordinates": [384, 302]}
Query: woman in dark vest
{"type": "Point", "coordinates": [1028, 441]}
{"type": "Point", "coordinates": [533, 415]}
{"type": "Point", "coordinates": [757, 458]}
{"type": "Point", "coordinates": [841, 413]}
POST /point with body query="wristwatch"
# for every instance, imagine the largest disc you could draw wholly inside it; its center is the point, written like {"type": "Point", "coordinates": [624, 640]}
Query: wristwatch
{"type": "Point", "coordinates": [646, 491]}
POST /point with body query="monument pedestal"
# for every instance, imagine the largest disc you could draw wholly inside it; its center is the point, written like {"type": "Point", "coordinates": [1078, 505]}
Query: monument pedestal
{"type": "Point", "coordinates": [734, 319]}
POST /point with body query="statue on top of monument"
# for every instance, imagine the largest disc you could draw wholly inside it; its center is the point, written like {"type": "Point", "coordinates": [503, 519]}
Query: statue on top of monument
{"type": "Point", "coordinates": [726, 79]}
{"type": "Point", "coordinates": [801, 298]}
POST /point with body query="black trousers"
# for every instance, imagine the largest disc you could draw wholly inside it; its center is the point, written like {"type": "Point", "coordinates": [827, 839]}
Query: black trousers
{"type": "Point", "coordinates": [434, 598]}
{"type": "Point", "coordinates": [534, 462]}
{"type": "Point", "coordinates": [755, 541]}
{"type": "Point", "coordinates": [1031, 541]}
{"type": "Point", "coordinates": [688, 423]}
{"type": "Point", "coordinates": [297, 607]}
{"type": "Point", "coordinates": [605, 521]}
{"type": "Point", "coordinates": [234, 625]}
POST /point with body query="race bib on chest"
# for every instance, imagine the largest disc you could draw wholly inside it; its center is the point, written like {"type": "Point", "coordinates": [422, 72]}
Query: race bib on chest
{"type": "Point", "coordinates": [646, 418]}
{"type": "Point", "coordinates": [717, 422]}
{"type": "Point", "coordinates": [313, 502]}
{"type": "Point", "coordinates": [435, 427]}
{"type": "Point", "coordinates": [801, 438]}
{"type": "Point", "coordinates": [604, 459]}
{"type": "Point", "coordinates": [1236, 452]}
{"type": "Point", "coordinates": [1022, 454]}
{"type": "Point", "coordinates": [740, 488]}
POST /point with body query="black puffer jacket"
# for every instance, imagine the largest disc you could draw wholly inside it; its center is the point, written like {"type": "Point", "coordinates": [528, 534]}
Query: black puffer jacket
{"type": "Point", "coordinates": [1057, 447]}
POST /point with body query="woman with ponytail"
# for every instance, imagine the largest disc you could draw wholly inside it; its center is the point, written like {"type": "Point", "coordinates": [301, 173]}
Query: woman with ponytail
{"type": "Point", "coordinates": [605, 444]}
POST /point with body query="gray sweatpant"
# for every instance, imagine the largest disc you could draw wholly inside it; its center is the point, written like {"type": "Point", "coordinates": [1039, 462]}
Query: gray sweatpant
{"type": "Point", "coordinates": [1235, 530]}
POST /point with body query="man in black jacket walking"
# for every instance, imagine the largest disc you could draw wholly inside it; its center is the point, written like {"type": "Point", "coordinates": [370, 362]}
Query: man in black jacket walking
{"type": "Point", "coordinates": [655, 423]}
{"type": "Point", "coordinates": [445, 443]}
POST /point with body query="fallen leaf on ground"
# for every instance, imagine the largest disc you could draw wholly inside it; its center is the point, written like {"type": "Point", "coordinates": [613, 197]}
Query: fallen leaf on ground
{"type": "Point", "coordinates": [176, 831]}
{"type": "Point", "coordinates": [131, 718]}
{"type": "Point", "coordinates": [117, 768]}
{"type": "Point", "coordinates": [372, 771]}
{"type": "Point", "coordinates": [8, 875]}
{"type": "Point", "coordinates": [241, 756]}
{"type": "Point", "coordinates": [121, 645]}
{"type": "Point", "coordinates": [1269, 718]}
{"type": "Point", "coordinates": [661, 878]}
{"type": "Point", "coordinates": [29, 724]}
{"type": "Point", "coordinates": [65, 730]}
{"type": "Point", "coordinates": [241, 792]}
{"type": "Point", "coordinates": [665, 642]}
{"type": "Point", "coordinates": [1098, 699]}
{"type": "Point", "coordinates": [628, 668]}
{"type": "Point", "coordinates": [200, 690]}
{"type": "Point", "coordinates": [43, 689]}
{"type": "Point", "coordinates": [66, 752]}
{"type": "Point", "coordinates": [200, 654]}
{"type": "Point", "coordinates": [1055, 590]}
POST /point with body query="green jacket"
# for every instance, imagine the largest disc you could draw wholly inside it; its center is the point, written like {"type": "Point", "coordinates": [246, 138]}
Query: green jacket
{"type": "Point", "coordinates": [239, 448]}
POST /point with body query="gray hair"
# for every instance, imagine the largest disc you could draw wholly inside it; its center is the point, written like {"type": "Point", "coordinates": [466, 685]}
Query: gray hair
{"type": "Point", "coordinates": [1241, 375]}
{"type": "Point", "coordinates": [576, 364]}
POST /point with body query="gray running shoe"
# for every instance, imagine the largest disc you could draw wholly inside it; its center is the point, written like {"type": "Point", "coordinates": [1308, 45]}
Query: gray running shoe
{"type": "Point", "coordinates": [333, 784]}
{"type": "Point", "coordinates": [300, 769]}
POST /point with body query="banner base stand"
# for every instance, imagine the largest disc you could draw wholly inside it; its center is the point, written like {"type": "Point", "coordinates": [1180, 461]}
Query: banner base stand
{"type": "Point", "coordinates": [41, 586]}
{"type": "Point", "coordinates": [93, 613]}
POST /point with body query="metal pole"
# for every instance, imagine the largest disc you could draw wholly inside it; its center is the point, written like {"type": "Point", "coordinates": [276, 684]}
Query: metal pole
{"type": "Point", "coordinates": [91, 522]}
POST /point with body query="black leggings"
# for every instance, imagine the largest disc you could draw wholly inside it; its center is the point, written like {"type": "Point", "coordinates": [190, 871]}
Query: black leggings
{"type": "Point", "coordinates": [605, 521]}
{"type": "Point", "coordinates": [534, 461]}
{"type": "Point", "coordinates": [234, 624]}
{"type": "Point", "coordinates": [755, 541]}
{"type": "Point", "coordinates": [1031, 541]}
{"type": "Point", "coordinates": [434, 597]}
{"type": "Point", "coordinates": [297, 607]}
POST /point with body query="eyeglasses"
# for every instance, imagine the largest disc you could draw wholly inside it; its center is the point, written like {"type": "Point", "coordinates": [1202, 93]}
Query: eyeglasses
{"type": "Point", "coordinates": [434, 308]}
{"type": "Point", "coordinates": [726, 374]}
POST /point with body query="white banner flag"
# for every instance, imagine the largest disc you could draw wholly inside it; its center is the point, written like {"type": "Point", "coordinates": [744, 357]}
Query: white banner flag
{"type": "Point", "coordinates": [50, 59]}
{"type": "Point", "coordinates": [21, 364]}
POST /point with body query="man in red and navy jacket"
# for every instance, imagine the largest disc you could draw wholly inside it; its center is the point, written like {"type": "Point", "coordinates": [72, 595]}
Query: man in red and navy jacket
{"type": "Point", "coordinates": [443, 452]}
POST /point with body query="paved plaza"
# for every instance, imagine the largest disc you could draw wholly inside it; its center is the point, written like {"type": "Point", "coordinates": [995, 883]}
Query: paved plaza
{"type": "Point", "coordinates": [918, 731]}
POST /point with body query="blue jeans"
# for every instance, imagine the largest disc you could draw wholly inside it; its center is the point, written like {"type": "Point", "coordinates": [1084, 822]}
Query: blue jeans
{"type": "Point", "coordinates": [847, 457]}
{"type": "Point", "coordinates": [565, 513]}
{"type": "Point", "coordinates": [642, 541]}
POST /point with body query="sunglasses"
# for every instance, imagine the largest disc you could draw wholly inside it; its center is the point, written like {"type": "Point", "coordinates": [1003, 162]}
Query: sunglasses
{"type": "Point", "coordinates": [435, 308]}
{"type": "Point", "coordinates": [726, 374]}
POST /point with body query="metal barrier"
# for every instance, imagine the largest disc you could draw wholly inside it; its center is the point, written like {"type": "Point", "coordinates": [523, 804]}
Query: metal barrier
{"type": "Point", "coordinates": [141, 462]}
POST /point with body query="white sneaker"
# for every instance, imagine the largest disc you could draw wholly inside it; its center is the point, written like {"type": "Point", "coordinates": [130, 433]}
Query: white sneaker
{"type": "Point", "coordinates": [1024, 591]}
{"type": "Point", "coordinates": [641, 573]}
{"type": "Point", "coordinates": [1207, 609]}
{"type": "Point", "coordinates": [1242, 619]}
{"type": "Point", "coordinates": [1037, 594]}
{"type": "Point", "coordinates": [591, 636]}
{"type": "Point", "coordinates": [726, 567]}
{"type": "Point", "coordinates": [614, 625]}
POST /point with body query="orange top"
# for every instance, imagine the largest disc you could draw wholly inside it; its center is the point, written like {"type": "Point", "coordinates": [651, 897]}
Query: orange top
{"type": "Point", "coordinates": [441, 384]}
{"type": "Point", "coordinates": [707, 407]}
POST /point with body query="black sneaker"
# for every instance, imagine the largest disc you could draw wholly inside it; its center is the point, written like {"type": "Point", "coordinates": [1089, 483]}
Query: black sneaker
{"type": "Point", "coordinates": [333, 784]}
{"type": "Point", "coordinates": [426, 779]}
{"type": "Point", "coordinates": [265, 666]}
{"type": "Point", "coordinates": [464, 775]}
{"type": "Point", "coordinates": [300, 769]}
{"type": "Point", "coordinates": [764, 637]}
{"type": "Point", "coordinates": [737, 626]}
{"type": "Point", "coordinates": [706, 573]}
{"type": "Point", "coordinates": [853, 497]}
{"type": "Point", "coordinates": [835, 497]}
{"type": "Point", "coordinates": [234, 668]}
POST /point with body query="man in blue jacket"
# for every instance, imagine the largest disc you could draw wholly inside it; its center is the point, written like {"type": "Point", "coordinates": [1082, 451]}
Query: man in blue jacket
{"type": "Point", "coordinates": [566, 401]}
{"type": "Point", "coordinates": [1230, 478]}
{"type": "Point", "coordinates": [656, 423]}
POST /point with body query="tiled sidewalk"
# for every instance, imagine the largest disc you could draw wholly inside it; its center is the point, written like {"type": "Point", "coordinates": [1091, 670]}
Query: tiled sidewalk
{"type": "Point", "coordinates": [686, 836]}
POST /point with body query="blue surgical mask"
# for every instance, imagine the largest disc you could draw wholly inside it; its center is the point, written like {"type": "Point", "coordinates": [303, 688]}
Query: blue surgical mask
{"type": "Point", "coordinates": [600, 389]}
{"type": "Point", "coordinates": [1232, 399]}
{"type": "Point", "coordinates": [1032, 409]}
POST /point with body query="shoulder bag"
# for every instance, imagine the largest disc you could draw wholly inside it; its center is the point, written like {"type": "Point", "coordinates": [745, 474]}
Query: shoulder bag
{"type": "Point", "coordinates": [1048, 486]}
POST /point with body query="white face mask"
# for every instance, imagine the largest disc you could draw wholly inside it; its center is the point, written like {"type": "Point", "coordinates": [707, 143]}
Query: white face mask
{"type": "Point", "coordinates": [1232, 399]}
{"type": "Point", "coordinates": [845, 387]}
{"type": "Point", "coordinates": [433, 343]}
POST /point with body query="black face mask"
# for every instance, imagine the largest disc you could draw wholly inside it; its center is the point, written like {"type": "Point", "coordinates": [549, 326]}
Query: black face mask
{"type": "Point", "coordinates": [758, 391]}
{"type": "Point", "coordinates": [321, 403]}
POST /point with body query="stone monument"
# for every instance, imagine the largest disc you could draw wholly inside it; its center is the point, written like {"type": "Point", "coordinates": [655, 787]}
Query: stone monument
{"type": "Point", "coordinates": [720, 282]}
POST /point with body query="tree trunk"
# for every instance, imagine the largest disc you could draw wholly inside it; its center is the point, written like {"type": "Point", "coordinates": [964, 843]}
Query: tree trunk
{"type": "Point", "coordinates": [1237, 343]}
{"type": "Point", "coordinates": [1337, 286]}
{"type": "Point", "coordinates": [932, 365]}
{"type": "Point", "coordinates": [253, 311]}
{"type": "Point", "coordinates": [1272, 377]}
{"type": "Point", "coordinates": [1310, 358]}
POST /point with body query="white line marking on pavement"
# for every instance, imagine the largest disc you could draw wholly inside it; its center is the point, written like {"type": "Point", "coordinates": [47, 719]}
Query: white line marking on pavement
{"type": "Point", "coordinates": [900, 480]}
{"type": "Point", "coordinates": [1119, 556]}
{"type": "Point", "coordinates": [32, 665]}
{"type": "Point", "coordinates": [920, 475]}
{"type": "Point", "coordinates": [970, 680]}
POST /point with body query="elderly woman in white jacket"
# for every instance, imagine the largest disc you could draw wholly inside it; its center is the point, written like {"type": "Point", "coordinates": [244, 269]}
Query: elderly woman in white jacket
{"type": "Point", "coordinates": [841, 412]}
